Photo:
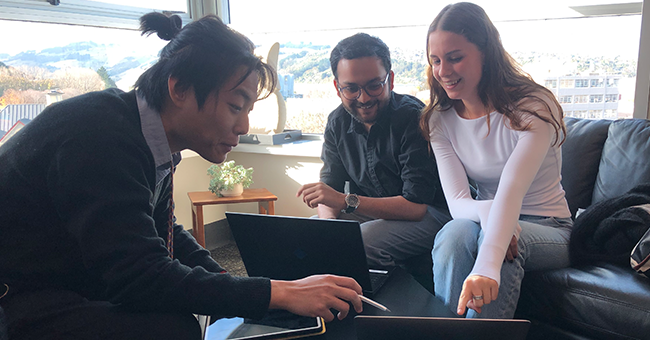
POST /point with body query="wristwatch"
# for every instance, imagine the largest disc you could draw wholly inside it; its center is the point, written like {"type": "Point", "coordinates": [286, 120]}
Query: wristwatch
{"type": "Point", "coordinates": [352, 200]}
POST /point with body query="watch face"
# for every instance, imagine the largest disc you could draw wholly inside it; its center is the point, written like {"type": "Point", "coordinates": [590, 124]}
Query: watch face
{"type": "Point", "coordinates": [352, 200]}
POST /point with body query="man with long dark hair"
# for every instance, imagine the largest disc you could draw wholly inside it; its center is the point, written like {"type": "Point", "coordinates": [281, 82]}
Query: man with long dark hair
{"type": "Point", "coordinates": [90, 248]}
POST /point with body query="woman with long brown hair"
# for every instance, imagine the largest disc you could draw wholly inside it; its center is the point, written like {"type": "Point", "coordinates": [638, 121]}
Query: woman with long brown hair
{"type": "Point", "coordinates": [491, 125]}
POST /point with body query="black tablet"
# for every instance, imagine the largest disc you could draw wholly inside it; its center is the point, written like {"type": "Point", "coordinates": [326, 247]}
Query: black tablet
{"type": "Point", "coordinates": [276, 324]}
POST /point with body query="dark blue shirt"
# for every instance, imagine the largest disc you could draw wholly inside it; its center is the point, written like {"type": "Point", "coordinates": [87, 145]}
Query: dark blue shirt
{"type": "Point", "coordinates": [392, 159]}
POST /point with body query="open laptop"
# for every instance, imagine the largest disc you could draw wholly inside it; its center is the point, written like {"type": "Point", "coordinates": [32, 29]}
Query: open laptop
{"type": "Point", "coordinates": [432, 328]}
{"type": "Point", "coordinates": [290, 248]}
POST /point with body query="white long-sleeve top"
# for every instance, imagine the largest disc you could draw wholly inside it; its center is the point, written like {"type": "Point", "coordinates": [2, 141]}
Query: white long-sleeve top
{"type": "Point", "coordinates": [516, 172]}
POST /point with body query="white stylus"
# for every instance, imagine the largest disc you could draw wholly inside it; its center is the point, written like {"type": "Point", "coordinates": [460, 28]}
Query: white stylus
{"type": "Point", "coordinates": [374, 303]}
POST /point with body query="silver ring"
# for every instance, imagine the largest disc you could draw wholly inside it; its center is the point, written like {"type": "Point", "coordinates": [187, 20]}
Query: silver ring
{"type": "Point", "coordinates": [480, 297]}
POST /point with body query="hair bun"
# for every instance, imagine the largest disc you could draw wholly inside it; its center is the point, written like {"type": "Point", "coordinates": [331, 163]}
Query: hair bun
{"type": "Point", "coordinates": [177, 21]}
{"type": "Point", "coordinates": [165, 26]}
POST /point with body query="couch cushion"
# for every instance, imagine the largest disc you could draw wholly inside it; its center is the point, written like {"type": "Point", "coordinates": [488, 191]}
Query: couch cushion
{"type": "Point", "coordinates": [580, 158]}
{"type": "Point", "coordinates": [624, 163]}
{"type": "Point", "coordinates": [599, 302]}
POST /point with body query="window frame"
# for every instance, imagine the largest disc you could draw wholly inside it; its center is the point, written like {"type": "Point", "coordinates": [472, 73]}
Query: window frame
{"type": "Point", "coordinates": [98, 14]}
{"type": "Point", "coordinates": [642, 86]}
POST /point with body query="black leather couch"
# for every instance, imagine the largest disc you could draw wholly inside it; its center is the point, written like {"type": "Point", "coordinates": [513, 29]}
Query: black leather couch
{"type": "Point", "coordinates": [3, 325]}
{"type": "Point", "coordinates": [602, 159]}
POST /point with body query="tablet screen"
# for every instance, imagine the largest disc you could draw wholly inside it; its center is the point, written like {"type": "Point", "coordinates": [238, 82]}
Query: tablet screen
{"type": "Point", "coordinates": [276, 324]}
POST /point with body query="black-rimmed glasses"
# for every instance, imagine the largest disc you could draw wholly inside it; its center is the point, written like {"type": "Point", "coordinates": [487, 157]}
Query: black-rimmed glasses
{"type": "Point", "coordinates": [353, 92]}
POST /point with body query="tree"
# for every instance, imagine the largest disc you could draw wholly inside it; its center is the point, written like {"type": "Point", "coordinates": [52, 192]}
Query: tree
{"type": "Point", "coordinates": [11, 97]}
{"type": "Point", "coordinates": [83, 79]}
{"type": "Point", "coordinates": [24, 78]}
{"type": "Point", "coordinates": [108, 82]}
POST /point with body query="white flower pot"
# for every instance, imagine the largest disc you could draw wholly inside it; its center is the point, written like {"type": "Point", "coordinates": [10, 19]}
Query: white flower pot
{"type": "Point", "coordinates": [237, 190]}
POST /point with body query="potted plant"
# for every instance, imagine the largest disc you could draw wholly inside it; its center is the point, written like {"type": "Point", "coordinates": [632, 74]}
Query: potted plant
{"type": "Point", "coordinates": [228, 179]}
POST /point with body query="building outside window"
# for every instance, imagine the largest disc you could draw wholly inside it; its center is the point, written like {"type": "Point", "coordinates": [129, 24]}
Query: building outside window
{"type": "Point", "coordinates": [596, 83]}
{"type": "Point", "coordinates": [595, 114]}
{"type": "Point", "coordinates": [580, 113]}
{"type": "Point", "coordinates": [612, 82]}
{"type": "Point", "coordinates": [550, 83]}
{"type": "Point", "coordinates": [567, 83]}
{"type": "Point", "coordinates": [581, 99]}
{"type": "Point", "coordinates": [611, 114]}
{"type": "Point", "coordinates": [596, 98]}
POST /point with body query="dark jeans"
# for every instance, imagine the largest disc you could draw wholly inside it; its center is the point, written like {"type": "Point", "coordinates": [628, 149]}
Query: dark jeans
{"type": "Point", "coordinates": [56, 314]}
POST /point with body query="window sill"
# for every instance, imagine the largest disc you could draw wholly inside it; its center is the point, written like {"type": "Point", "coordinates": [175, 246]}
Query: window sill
{"type": "Point", "coordinates": [300, 148]}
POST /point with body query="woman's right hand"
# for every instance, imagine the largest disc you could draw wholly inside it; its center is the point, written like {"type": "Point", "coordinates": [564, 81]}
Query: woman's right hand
{"type": "Point", "coordinates": [477, 292]}
{"type": "Point", "coordinates": [315, 295]}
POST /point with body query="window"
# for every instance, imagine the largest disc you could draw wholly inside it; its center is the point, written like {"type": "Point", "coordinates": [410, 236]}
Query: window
{"type": "Point", "coordinates": [612, 82]}
{"type": "Point", "coordinates": [566, 83]}
{"type": "Point", "coordinates": [67, 50]}
{"type": "Point", "coordinates": [564, 99]}
{"type": "Point", "coordinates": [596, 98]}
{"type": "Point", "coordinates": [550, 83]}
{"type": "Point", "coordinates": [77, 60]}
{"type": "Point", "coordinates": [611, 98]}
{"type": "Point", "coordinates": [529, 31]}
{"type": "Point", "coordinates": [597, 83]}
{"type": "Point", "coordinates": [581, 99]}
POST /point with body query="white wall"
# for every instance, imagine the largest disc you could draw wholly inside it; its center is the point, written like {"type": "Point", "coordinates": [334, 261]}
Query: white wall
{"type": "Point", "coordinates": [281, 175]}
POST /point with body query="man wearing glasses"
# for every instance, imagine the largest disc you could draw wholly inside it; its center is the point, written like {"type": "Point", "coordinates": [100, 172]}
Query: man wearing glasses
{"type": "Point", "coordinates": [377, 169]}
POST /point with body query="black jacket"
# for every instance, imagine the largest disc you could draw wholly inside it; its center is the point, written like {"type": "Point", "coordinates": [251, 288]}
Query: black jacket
{"type": "Point", "coordinates": [608, 230]}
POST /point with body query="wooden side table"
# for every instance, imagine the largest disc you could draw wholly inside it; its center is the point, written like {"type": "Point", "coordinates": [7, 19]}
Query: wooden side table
{"type": "Point", "coordinates": [266, 202]}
